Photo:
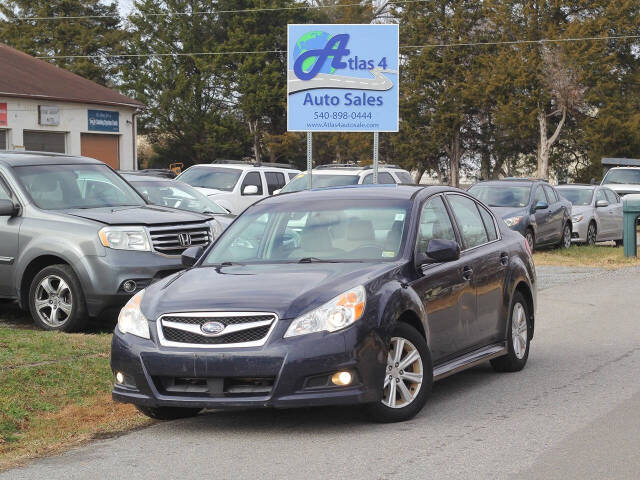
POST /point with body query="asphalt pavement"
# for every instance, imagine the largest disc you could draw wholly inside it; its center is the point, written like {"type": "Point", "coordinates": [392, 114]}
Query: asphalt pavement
{"type": "Point", "coordinates": [574, 412]}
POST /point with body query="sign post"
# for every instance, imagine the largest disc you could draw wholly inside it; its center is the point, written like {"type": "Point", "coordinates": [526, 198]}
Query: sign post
{"type": "Point", "coordinates": [309, 159]}
{"type": "Point", "coordinates": [342, 78]}
{"type": "Point", "coordinates": [376, 140]}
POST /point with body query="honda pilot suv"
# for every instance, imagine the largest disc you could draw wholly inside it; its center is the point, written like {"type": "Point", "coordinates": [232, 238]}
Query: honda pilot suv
{"type": "Point", "coordinates": [76, 240]}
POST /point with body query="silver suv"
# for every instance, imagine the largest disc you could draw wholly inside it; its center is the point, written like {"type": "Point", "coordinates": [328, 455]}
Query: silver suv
{"type": "Point", "coordinates": [76, 240]}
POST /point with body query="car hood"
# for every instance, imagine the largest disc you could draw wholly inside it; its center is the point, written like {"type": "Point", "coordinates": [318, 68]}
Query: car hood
{"type": "Point", "coordinates": [145, 215]}
{"type": "Point", "coordinates": [506, 212]}
{"type": "Point", "coordinates": [285, 289]}
{"type": "Point", "coordinates": [623, 187]}
{"type": "Point", "coordinates": [224, 220]}
{"type": "Point", "coordinates": [581, 209]}
{"type": "Point", "coordinates": [210, 192]}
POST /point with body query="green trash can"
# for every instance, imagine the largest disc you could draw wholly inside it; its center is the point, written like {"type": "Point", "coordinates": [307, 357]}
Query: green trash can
{"type": "Point", "coordinates": [631, 212]}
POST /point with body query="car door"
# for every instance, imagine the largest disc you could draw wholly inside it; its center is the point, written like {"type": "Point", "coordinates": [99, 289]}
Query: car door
{"type": "Point", "coordinates": [446, 294]}
{"type": "Point", "coordinates": [615, 208]}
{"type": "Point", "coordinates": [251, 178]}
{"type": "Point", "coordinates": [542, 216]}
{"type": "Point", "coordinates": [9, 244]}
{"type": "Point", "coordinates": [482, 252]}
{"type": "Point", "coordinates": [556, 214]}
{"type": "Point", "coordinates": [275, 181]}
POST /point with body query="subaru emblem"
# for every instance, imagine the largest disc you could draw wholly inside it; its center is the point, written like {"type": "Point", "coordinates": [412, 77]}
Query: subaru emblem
{"type": "Point", "coordinates": [212, 328]}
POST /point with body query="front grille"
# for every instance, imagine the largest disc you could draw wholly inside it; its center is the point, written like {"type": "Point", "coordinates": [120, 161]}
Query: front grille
{"type": "Point", "coordinates": [240, 329]}
{"type": "Point", "coordinates": [175, 239]}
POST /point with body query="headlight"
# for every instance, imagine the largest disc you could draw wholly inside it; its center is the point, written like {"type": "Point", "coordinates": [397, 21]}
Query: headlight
{"type": "Point", "coordinates": [216, 229]}
{"type": "Point", "coordinates": [131, 320]}
{"type": "Point", "coordinates": [125, 238]}
{"type": "Point", "coordinates": [512, 221]}
{"type": "Point", "coordinates": [334, 315]}
{"type": "Point", "coordinates": [577, 218]}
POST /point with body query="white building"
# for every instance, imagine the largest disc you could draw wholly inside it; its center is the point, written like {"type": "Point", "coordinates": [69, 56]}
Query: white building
{"type": "Point", "coordinates": [46, 108]}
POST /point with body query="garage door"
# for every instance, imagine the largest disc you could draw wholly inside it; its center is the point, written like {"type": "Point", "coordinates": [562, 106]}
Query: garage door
{"type": "Point", "coordinates": [44, 141]}
{"type": "Point", "coordinates": [102, 147]}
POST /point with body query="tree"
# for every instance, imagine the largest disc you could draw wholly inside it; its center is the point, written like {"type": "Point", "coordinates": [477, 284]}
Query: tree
{"type": "Point", "coordinates": [101, 35]}
{"type": "Point", "coordinates": [189, 117]}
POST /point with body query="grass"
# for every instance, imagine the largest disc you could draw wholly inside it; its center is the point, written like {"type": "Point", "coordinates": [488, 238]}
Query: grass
{"type": "Point", "coordinates": [602, 256]}
{"type": "Point", "coordinates": [55, 393]}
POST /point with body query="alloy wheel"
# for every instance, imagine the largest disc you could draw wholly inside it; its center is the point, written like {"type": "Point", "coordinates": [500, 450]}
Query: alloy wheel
{"type": "Point", "coordinates": [591, 234]}
{"type": "Point", "coordinates": [566, 237]}
{"type": "Point", "coordinates": [404, 374]}
{"type": "Point", "coordinates": [519, 331]}
{"type": "Point", "coordinates": [53, 301]}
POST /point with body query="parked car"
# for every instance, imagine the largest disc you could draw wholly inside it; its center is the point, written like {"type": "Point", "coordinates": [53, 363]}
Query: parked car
{"type": "Point", "coordinates": [531, 207]}
{"type": "Point", "coordinates": [333, 175]}
{"type": "Point", "coordinates": [623, 180]}
{"type": "Point", "coordinates": [175, 194]}
{"type": "Point", "coordinates": [360, 295]}
{"type": "Point", "coordinates": [596, 213]}
{"type": "Point", "coordinates": [153, 172]}
{"type": "Point", "coordinates": [76, 240]}
{"type": "Point", "coordinates": [235, 186]}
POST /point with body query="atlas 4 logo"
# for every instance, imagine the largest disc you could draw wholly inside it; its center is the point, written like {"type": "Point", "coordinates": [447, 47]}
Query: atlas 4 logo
{"type": "Point", "coordinates": [313, 50]}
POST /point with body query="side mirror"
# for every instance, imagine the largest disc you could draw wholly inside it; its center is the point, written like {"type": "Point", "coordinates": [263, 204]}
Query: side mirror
{"type": "Point", "coordinates": [439, 251]}
{"type": "Point", "coordinates": [250, 190]}
{"type": "Point", "coordinates": [191, 255]}
{"type": "Point", "coordinates": [276, 192]}
{"type": "Point", "coordinates": [602, 204]}
{"type": "Point", "coordinates": [541, 205]}
{"type": "Point", "coordinates": [8, 208]}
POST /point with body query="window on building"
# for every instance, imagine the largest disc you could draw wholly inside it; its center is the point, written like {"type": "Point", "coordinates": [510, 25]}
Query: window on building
{"type": "Point", "coordinates": [44, 141]}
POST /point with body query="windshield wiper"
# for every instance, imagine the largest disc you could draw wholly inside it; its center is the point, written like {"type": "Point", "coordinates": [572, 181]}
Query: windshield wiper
{"type": "Point", "coordinates": [317, 260]}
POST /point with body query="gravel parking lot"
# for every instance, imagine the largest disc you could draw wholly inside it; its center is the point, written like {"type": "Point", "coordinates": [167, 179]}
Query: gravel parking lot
{"type": "Point", "coordinates": [572, 413]}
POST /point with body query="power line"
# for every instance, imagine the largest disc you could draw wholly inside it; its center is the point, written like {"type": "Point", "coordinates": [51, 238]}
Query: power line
{"type": "Point", "coordinates": [264, 52]}
{"type": "Point", "coordinates": [211, 12]}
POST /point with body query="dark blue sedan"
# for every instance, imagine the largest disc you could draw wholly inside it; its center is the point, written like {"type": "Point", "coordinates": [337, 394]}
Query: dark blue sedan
{"type": "Point", "coordinates": [361, 295]}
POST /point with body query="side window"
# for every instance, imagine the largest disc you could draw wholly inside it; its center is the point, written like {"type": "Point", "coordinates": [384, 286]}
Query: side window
{"type": "Point", "coordinates": [540, 196]}
{"type": "Point", "coordinates": [275, 181]}
{"type": "Point", "coordinates": [404, 177]}
{"type": "Point", "coordinates": [434, 223]}
{"type": "Point", "coordinates": [551, 194]}
{"type": "Point", "coordinates": [4, 193]}
{"type": "Point", "coordinates": [488, 223]}
{"type": "Point", "coordinates": [601, 196]}
{"type": "Point", "coordinates": [611, 196]}
{"type": "Point", "coordinates": [252, 178]}
{"type": "Point", "coordinates": [469, 220]}
{"type": "Point", "coordinates": [383, 178]}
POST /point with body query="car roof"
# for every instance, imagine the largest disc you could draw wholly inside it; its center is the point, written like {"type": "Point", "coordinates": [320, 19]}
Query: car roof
{"type": "Point", "coordinates": [362, 192]}
{"type": "Point", "coordinates": [132, 177]}
{"type": "Point", "coordinates": [243, 166]}
{"type": "Point", "coordinates": [509, 182]}
{"type": "Point", "coordinates": [576, 185]}
{"type": "Point", "coordinates": [16, 159]}
{"type": "Point", "coordinates": [623, 168]}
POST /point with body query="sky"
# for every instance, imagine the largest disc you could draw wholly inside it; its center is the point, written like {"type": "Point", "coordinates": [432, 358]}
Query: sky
{"type": "Point", "coordinates": [125, 6]}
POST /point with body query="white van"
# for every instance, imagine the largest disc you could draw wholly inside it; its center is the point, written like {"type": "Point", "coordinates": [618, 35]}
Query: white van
{"type": "Point", "coordinates": [236, 185]}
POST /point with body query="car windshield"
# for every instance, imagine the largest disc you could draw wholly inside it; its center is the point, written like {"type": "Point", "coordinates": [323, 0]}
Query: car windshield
{"type": "Point", "coordinates": [218, 178]}
{"type": "Point", "coordinates": [59, 187]}
{"type": "Point", "coordinates": [622, 175]}
{"type": "Point", "coordinates": [577, 196]}
{"type": "Point", "coordinates": [502, 195]}
{"type": "Point", "coordinates": [331, 231]}
{"type": "Point", "coordinates": [178, 195]}
{"type": "Point", "coordinates": [319, 181]}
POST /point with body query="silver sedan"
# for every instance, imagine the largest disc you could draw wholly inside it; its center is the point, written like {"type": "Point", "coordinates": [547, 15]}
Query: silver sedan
{"type": "Point", "coordinates": [596, 213]}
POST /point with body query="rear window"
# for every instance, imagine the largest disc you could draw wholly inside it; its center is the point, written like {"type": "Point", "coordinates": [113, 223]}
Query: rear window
{"type": "Point", "coordinates": [319, 181]}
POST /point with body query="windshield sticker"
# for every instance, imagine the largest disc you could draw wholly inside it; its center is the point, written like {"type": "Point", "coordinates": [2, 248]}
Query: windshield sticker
{"type": "Point", "coordinates": [399, 217]}
{"type": "Point", "coordinates": [388, 254]}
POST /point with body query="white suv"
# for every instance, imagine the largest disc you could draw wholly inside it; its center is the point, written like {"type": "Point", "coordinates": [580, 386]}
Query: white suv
{"type": "Point", "coordinates": [333, 175]}
{"type": "Point", "coordinates": [623, 180]}
{"type": "Point", "coordinates": [236, 185]}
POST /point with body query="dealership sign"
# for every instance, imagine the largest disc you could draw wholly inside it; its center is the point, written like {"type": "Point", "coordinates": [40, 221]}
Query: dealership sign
{"type": "Point", "coordinates": [48, 115]}
{"type": "Point", "coordinates": [3, 114]}
{"type": "Point", "coordinates": [104, 121]}
{"type": "Point", "coordinates": [342, 78]}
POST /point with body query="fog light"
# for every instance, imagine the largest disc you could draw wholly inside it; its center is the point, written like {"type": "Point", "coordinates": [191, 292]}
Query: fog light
{"type": "Point", "coordinates": [129, 286]}
{"type": "Point", "coordinates": [120, 377]}
{"type": "Point", "coordinates": [342, 379]}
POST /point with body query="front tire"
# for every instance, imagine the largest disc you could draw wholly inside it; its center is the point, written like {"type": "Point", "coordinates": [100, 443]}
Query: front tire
{"type": "Point", "coordinates": [519, 338]}
{"type": "Point", "coordinates": [592, 233]}
{"type": "Point", "coordinates": [530, 238]}
{"type": "Point", "coordinates": [56, 299]}
{"type": "Point", "coordinates": [565, 240]}
{"type": "Point", "coordinates": [408, 377]}
{"type": "Point", "coordinates": [168, 413]}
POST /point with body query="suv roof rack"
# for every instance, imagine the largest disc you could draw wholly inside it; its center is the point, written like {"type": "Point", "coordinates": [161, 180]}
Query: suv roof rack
{"type": "Point", "coordinates": [338, 165]}
{"type": "Point", "coordinates": [526, 179]}
{"type": "Point", "coordinates": [255, 164]}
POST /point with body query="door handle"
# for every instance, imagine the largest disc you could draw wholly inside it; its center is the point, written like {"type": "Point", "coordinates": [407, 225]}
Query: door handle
{"type": "Point", "coordinates": [467, 273]}
{"type": "Point", "coordinates": [504, 259]}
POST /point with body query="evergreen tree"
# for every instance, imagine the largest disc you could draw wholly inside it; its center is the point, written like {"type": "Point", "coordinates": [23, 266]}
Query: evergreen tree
{"type": "Point", "coordinates": [101, 35]}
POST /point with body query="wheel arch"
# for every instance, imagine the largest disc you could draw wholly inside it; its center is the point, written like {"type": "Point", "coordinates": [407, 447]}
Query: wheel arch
{"type": "Point", "coordinates": [31, 270]}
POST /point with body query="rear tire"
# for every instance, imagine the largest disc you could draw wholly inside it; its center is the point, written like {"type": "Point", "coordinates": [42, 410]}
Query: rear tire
{"type": "Point", "coordinates": [56, 299]}
{"type": "Point", "coordinates": [408, 377]}
{"type": "Point", "coordinates": [619, 243]}
{"type": "Point", "coordinates": [168, 413]}
{"type": "Point", "coordinates": [519, 337]}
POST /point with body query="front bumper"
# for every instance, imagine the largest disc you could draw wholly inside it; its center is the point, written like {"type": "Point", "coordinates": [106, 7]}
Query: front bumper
{"type": "Point", "coordinates": [106, 275]}
{"type": "Point", "coordinates": [293, 366]}
{"type": "Point", "coordinates": [579, 230]}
